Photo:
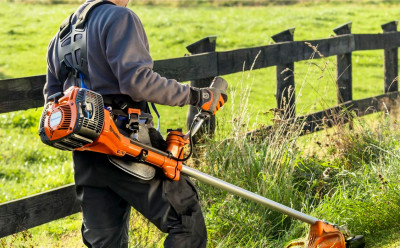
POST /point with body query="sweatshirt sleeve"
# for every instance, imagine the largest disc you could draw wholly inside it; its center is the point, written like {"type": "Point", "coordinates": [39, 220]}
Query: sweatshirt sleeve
{"type": "Point", "coordinates": [128, 55]}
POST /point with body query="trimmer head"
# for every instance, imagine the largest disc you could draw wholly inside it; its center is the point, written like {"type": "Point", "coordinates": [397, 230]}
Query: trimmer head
{"type": "Point", "coordinates": [325, 235]}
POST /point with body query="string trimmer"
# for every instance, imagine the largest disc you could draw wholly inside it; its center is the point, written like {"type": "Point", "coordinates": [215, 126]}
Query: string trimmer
{"type": "Point", "coordinates": [77, 120]}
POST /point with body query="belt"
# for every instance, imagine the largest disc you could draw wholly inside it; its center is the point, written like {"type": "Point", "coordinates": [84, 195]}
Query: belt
{"type": "Point", "coordinates": [121, 103]}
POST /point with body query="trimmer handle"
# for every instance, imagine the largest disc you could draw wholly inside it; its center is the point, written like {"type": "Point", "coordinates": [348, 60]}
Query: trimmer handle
{"type": "Point", "coordinates": [54, 98]}
{"type": "Point", "coordinates": [220, 84]}
{"type": "Point", "coordinates": [219, 97]}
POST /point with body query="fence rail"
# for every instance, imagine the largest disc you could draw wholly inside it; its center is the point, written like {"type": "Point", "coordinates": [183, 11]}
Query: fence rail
{"type": "Point", "coordinates": [24, 93]}
{"type": "Point", "coordinates": [31, 211]}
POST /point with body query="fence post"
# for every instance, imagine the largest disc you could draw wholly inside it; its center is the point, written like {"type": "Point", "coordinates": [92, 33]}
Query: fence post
{"type": "Point", "coordinates": [285, 89]}
{"type": "Point", "coordinates": [206, 44]}
{"type": "Point", "coordinates": [391, 68]}
{"type": "Point", "coordinates": [344, 69]}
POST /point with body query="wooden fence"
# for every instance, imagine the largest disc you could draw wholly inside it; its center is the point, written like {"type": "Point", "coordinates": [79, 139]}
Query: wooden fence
{"type": "Point", "coordinates": [205, 63]}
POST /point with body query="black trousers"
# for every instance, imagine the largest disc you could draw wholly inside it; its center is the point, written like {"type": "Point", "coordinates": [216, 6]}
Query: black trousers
{"type": "Point", "coordinates": [107, 194]}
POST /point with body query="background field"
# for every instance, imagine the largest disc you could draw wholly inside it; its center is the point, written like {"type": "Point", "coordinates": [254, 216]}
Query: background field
{"type": "Point", "coordinates": [361, 189]}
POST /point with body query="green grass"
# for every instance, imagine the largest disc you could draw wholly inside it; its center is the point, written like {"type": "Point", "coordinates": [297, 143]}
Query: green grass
{"type": "Point", "coordinates": [386, 238]}
{"type": "Point", "coordinates": [281, 169]}
{"type": "Point", "coordinates": [28, 28]}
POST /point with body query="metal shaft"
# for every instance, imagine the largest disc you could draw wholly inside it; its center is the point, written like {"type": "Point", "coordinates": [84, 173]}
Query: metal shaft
{"type": "Point", "coordinates": [205, 178]}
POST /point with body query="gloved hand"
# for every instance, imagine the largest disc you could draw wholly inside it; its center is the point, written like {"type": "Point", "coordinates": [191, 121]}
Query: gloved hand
{"type": "Point", "coordinates": [212, 98]}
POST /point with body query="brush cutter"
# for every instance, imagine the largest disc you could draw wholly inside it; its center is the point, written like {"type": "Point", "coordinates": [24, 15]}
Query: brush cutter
{"type": "Point", "coordinates": [77, 120]}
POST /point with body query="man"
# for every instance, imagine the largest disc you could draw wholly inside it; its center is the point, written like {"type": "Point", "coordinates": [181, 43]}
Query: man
{"type": "Point", "coordinates": [118, 64]}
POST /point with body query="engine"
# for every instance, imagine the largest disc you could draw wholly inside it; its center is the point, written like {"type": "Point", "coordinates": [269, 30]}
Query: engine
{"type": "Point", "coordinates": [72, 119]}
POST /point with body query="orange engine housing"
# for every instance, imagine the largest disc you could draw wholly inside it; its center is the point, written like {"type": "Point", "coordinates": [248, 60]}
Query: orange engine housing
{"type": "Point", "coordinates": [77, 120]}
{"type": "Point", "coordinates": [72, 119]}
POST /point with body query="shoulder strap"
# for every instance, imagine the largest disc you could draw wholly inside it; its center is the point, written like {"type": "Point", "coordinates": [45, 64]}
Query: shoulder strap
{"type": "Point", "coordinates": [158, 116]}
{"type": "Point", "coordinates": [65, 27]}
{"type": "Point", "coordinates": [72, 45]}
{"type": "Point", "coordinates": [84, 16]}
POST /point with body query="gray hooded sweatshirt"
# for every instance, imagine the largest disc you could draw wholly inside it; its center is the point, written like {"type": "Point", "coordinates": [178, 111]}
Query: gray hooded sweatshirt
{"type": "Point", "coordinates": [119, 61]}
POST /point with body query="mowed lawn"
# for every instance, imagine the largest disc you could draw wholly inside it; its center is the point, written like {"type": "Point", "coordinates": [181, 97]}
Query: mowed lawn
{"type": "Point", "coordinates": [27, 166]}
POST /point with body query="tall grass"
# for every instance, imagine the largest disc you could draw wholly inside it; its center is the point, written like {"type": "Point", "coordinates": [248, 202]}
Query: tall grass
{"type": "Point", "coordinates": [350, 178]}
{"type": "Point", "coordinates": [364, 183]}
{"type": "Point", "coordinates": [355, 184]}
{"type": "Point", "coordinates": [259, 164]}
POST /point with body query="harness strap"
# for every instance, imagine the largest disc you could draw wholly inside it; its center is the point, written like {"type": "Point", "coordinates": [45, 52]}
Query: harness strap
{"type": "Point", "coordinates": [83, 17]}
{"type": "Point", "coordinates": [72, 55]}
{"type": "Point", "coordinates": [72, 46]}
{"type": "Point", "coordinates": [122, 103]}
{"type": "Point", "coordinates": [158, 116]}
{"type": "Point", "coordinates": [65, 27]}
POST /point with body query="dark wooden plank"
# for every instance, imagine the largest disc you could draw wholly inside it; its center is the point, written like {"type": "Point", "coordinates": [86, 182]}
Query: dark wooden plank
{"type": "Point", "coordinates": [327, 47]}
{"type": "Point", "coordinates": [203, 65]}
{"type": "Point", "coordinates": [343, 29]}
{"type": "Point", "coordinates": [340, 114]}
{"type": "Point", "coordinates": [391, 64]}
{"type": "Point", "coordinates": [285, 87]}
{"type": "Point", "coordinates": [344, 71]}
{"type": "Point", "coordinates": [384, 102]}
{"type": "Point", "coordinates": [188, 68]}
{"type": "Point", "coordinates": [21, 93]}
{"type": "Point", "coordinates": [282, 53]}
{"type": "Point", "coordinates": [376, 41]}
{"type": "Point", "coordinates": [24, 93]}
{"type": "Point", "coordinates": [391, 70]}
{"type": "Point", "coordinates": [28, 212]}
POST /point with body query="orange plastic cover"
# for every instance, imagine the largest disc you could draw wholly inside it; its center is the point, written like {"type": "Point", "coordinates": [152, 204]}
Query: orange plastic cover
{"type": "Point", "coordinates": [321, 235]}
{"type": "Point", "coordinates": [133, 111]}
{"type": "Point", "coordinates": [61, 120]}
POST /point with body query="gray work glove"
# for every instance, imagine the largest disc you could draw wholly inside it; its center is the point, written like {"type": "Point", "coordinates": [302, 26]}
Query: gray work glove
{"type": "Point", "coordinates": [212, 98]}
